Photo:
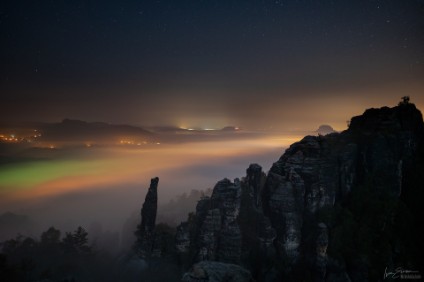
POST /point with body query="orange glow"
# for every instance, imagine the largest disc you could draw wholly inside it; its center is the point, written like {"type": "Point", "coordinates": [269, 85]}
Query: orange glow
{"type": "Point", "coordinates": [116, 166]}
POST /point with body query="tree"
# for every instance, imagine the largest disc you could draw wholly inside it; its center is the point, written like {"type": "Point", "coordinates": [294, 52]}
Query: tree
{"type": "Point", "coordinates": [77, 241]}
{"type": "Point", "coordinates": [81, 239]}
{"type": "Point", "coordinates": [50, 237]}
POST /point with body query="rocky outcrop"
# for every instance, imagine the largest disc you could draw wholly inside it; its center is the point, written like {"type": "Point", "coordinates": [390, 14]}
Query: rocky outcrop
{"type": "Point", "coordinates": [219, 237]}
{"type": "Point", "coordinates": [146, 230]}
{"type": "Point", "coordinates": [303, 180]}
{"type": "Point", "coordinates": [256, 228]}
{"type": "Point", "coordinates": [319, 171]}
{"type": "Point", "coordinates": [230, 225]}
{"type": "Point", "coordinates": [208, 271]}
{"type": "Point", "coordinates": [280, 217]}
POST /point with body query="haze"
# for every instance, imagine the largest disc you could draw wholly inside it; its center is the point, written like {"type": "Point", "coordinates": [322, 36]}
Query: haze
{"type": "Point", "coordinates": [107, 184]}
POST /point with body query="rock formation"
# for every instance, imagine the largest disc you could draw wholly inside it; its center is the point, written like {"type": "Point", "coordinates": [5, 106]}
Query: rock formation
{"type": "Point", "coordinates": [254, 179]}
{"type": "Point", "coordinates": [278, 217]}
{"type": "Point", "coordinates": [229, 226]}
{"type": "Point", "coordinates": [208, 271]}
{"type": "Point", "coordinates": [330, 209]}
{"type": "Point", "coordinates": [219, 236]}
{"type": "Point", "coordinates": [320, 172]}
{"type": "Point", "coordinates": [146, 230]}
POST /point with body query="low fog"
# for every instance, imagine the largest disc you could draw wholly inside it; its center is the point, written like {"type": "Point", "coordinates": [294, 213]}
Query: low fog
{"type": "Point", "coordinates": [102, 188]}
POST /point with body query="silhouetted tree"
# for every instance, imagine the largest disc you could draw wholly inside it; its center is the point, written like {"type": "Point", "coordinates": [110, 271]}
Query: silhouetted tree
{"type": "Point", "coordinates": [50, 237]}
{"type": "Point", "coordinates": [81, 239]}
{"type": "Point", "coordinates": [77, 241]}
{"type": "Point", "coordinates": [18, 255]}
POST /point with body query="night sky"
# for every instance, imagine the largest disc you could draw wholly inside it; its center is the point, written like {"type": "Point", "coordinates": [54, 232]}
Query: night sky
{"type": "Point", "coordinates": [255, 64]}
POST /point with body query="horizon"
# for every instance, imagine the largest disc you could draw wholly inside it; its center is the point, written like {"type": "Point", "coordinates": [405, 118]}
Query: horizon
{"type": "Point", "coordinates": [160, 126]}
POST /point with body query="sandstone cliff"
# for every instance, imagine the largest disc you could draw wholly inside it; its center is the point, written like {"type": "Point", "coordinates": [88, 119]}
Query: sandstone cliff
{"type": "Point", "coordinates": [339, 207]}
{"type": "Point", "coordinates": [318, 201]}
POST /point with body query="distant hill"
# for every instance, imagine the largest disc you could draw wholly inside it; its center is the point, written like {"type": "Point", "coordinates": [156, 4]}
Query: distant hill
{"type": "Point", "coordinates": [325, 129]}
{"type": "Point", "coordinates": [77, 130]}
{"type": "Point", "coordinates": [230, 128]}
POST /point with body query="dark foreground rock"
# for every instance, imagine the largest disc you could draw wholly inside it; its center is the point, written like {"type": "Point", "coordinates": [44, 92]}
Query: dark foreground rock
{"type": "Point", "coordinates": [210, 271]}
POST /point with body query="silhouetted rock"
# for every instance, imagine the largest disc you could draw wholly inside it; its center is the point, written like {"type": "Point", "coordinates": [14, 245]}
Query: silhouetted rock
{"type": "Point", "coordinates": [330, 192]}
{"type": "Point", "coordinates": [319, 172]}
{"type": "Point", "coordinates": [146, 230]}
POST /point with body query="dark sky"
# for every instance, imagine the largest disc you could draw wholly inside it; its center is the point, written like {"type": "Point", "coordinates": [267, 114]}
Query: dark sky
{"type": "Point", "coordinates": [257, 64]}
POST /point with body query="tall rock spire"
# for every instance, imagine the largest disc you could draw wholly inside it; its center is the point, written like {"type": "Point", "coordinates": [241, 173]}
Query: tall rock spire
{"type": "Point", "coordinates": [146, 230]}
{"type": "Point", "coordinates": [254, 179]}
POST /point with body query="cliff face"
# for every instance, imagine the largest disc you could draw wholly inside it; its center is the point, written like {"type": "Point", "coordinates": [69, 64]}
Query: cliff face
{"type": "Point", "coordinates": [311, 200]}
{"type": "Point", "coordinates": [218, 231]}
{"type": "Point", "coordinates": [320, 171]}
{"type": "Point", "coordinates": [229, 226]}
